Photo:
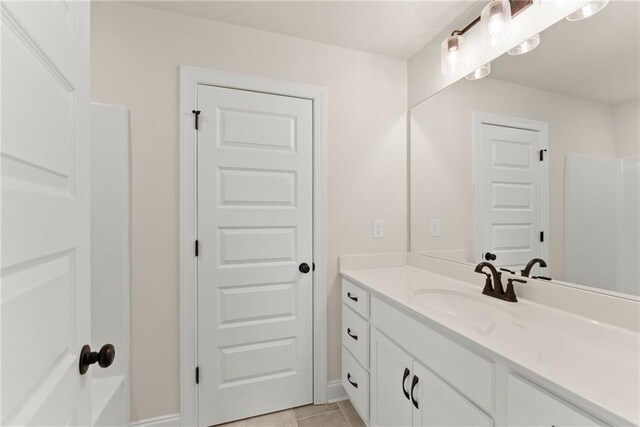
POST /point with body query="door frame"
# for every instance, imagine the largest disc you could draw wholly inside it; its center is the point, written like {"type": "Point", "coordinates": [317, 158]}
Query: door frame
{"type": "Point", "coordinates": [190, 78]}
{"type": "Point", "coordinates": [480, 118]}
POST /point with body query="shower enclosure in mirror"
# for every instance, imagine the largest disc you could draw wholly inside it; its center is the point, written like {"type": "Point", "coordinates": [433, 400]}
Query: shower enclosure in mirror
{"type": "Point", "coordinates": [541, 159]}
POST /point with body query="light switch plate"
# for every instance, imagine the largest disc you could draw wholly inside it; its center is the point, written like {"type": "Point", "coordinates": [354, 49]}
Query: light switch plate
{"type": "Point", "coordinates": [435, 227]}
{"type": "Point", "coordinates": [378, 229]}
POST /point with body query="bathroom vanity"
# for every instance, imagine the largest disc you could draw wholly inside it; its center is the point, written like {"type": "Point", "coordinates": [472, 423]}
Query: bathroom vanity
{"type": "Point", "coordinates": [424, 349]}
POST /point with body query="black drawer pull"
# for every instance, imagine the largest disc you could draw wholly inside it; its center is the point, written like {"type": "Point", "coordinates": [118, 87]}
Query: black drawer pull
{"type": "Point", "coordinates": [351, 382]}
{"type": "Point", "coordinates": [414, 382]}
{"type": "Point", "coordinates": [352, 297]}
{"type": "Point", "coordinates": [404, 378]}
{"type": "Point", "coordinates": [355, 337]}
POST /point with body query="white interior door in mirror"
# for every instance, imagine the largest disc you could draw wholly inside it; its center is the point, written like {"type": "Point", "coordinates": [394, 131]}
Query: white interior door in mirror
{"type": "Point", "coordinates": [511, 195]}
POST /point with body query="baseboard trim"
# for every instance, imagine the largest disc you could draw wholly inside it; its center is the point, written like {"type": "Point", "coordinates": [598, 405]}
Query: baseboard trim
{"type": "Point", "coordinates": [171, 420]}
{"type": "Point", "coordinates": [335, 391]}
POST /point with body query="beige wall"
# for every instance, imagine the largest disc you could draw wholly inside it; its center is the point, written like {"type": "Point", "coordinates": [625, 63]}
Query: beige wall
{"type": "Point", "coordinates": [442, 150]}
{"type": "Point", "coordinates": [135, 54]}
{"type": "Point", "coordinates": [627, 128]}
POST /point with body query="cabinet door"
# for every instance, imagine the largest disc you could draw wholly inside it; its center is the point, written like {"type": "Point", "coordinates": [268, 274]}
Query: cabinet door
{"type": "Point", "coordinates": [530, 405]}
{"type": "Point", "coordinates": [390, 383]}
{"type": "Point", "coordinates": [435, 403]}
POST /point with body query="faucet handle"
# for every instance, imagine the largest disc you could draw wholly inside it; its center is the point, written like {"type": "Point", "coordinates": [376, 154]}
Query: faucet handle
{"type": "Point", "coordinates": [510, 293]}
{"type": "Point", "coordinates": [508, 271]}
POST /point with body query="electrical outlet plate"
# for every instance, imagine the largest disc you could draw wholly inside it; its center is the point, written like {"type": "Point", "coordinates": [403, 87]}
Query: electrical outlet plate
{"type": "Point", "coordinates": [378, 229]}
{"type": "Point", "coordinates": [435, 227]}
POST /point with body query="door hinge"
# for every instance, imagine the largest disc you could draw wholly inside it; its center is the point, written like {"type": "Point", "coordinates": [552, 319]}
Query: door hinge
{"type": "Point", "coordinates": [542, 236]}
{"type": "Point", "coordinates": [541, 153]}
{"type": "Point", "coordinates": [197, 247]}
{"type": "Point", "coordinates": [197, 375]}
{"type": "Point", "coordinates": [197, 114]}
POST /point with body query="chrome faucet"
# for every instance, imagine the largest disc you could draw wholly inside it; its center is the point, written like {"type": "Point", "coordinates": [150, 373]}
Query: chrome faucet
{"type": "Point", "coordinates": [527, 269]}
{"type": "Point", "coordinates": [493, 283]}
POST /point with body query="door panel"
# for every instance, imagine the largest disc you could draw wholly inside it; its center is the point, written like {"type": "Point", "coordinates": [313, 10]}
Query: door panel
{"type": "Point", "coordinates": [441, 405]}
{"type": "Point", "coordinates": [45, 264]}
{"type": "Point", "coordinates": [254, 229]}
{"type": "Point", "coordinates": [390, 380]}
{"type": "Point", "coordinates": [509, 192]}
{"type": "Point", "coordinates": [529, 405]}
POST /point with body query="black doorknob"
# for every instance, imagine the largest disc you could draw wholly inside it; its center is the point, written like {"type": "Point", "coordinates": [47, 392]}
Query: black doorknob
{"type": "Point", "coordinates": [104, 357]}
{"type": "Point", "coordinates": [304, 268]}
{"type": "Point", "coordinates": [490, 257]}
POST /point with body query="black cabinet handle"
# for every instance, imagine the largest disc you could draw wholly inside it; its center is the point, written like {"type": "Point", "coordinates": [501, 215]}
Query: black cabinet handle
{"type": "Point", "coordinates": [404, 378]}
{"type": "Point", "coordinates": [414, 382]}
{"type": "Point", "coordinates": [352, 297]}
{"type": "Point", "coordinates": [355, 337]}
{"type": "Point", "coordinates": [351, 382]}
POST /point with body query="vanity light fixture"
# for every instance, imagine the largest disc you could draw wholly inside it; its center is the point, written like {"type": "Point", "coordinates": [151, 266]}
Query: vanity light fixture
{"type": "Point", "coordinates": [589, 9]}
{"type": "Point", "coordinates": [496, 22]}
{"type": "Point", "coordinates": [451, 53]}
{"type": "Point", "coordinates": [480, 72]}
{"type": "Point", "coordinates": [496, 16]}
{"type": "Point", "coordinates": [526, 46]}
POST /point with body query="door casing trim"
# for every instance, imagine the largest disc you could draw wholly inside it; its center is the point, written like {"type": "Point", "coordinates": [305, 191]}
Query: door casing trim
{"type": "Point", "coordinates": [190, 78]}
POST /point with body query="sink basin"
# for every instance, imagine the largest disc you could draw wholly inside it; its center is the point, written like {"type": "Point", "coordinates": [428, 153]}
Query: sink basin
{"type": "Point", "coordinates": [481, 312]}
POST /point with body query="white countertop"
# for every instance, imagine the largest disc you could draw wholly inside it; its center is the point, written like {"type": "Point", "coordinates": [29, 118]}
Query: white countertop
{"type": "Point", "coordinates": [596, 362]}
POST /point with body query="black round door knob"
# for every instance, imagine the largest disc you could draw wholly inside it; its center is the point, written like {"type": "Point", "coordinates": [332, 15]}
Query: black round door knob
{"type": "Point", "coordinates": [104, 357]}
{"type": "Point", "coordinates": [304, 268]}
{"type": "Point", "coordinates": [490, 257]}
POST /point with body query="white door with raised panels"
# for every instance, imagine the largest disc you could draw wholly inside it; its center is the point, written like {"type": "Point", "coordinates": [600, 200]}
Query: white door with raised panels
{"type": "Point", "coordinates": [510, 192]}
{"type": "Point", "coordinates": [45, 271]}
{"type": "Point", "coordinates": [254, 228]}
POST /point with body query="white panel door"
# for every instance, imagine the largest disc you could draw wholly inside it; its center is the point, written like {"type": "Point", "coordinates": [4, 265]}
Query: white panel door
{"type": "Point", "coordinates": [435, 403]}
{"type": "Point", "coordinates": [390, 383]}
{"type": "Point", "coordinates": [509, 192]}
{"type": "Point", "coordinates": [45, 266]}
{"type": "Point", "coordinates": [254, 230]}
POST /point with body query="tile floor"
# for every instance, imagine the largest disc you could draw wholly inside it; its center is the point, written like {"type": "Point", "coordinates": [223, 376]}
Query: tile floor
{"type": "Point", "coordinates": [341, 414]}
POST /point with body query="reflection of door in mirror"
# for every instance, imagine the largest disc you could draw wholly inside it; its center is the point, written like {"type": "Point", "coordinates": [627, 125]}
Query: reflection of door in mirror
{"type": "Point", "coordinates": [511, 194]}
{"type": "Point", "coordinates": [468, 199]}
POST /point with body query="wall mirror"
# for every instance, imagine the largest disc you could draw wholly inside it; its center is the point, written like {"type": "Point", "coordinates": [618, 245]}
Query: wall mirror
{"type": "Point", "coordinates": [540, 159]}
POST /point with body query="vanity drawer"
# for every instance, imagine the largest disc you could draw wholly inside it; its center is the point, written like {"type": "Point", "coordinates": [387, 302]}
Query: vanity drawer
{"type": "Point", "coordinates": [466, 371]}
{"type": "Point", "coordinates": [355, 335]}
{"type": "Point", "coordinates": [530, 405]}
{"type": "Point", "coordinates": [355, 297]}
{"type": "Point", "coordinates": [355, 381]}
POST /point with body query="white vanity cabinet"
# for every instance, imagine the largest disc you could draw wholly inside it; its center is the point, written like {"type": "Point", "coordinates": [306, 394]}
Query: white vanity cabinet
{"type": "Point", "coordinates": [398, 371]}
{"type": "Point", "coordinates": [406, 393]}
{"type": "Point", "coordinates": [355, 346]}
{"type": "Point", "coordinates": [390, 393]}
{"type": "Point", "coordinates": [530, 405]}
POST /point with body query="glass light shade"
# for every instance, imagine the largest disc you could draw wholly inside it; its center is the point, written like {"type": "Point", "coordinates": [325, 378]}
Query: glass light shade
{"type": "Point", "coordinates": [480, 72]}
{"type": "Point", "coordinates": [526, 46]}
{"type": "Point", "coordinates": [589, 9]}
{"type": "Point", "coordinates": [496, 22]}
{"type": "Point", "coordinates": [452, 55]}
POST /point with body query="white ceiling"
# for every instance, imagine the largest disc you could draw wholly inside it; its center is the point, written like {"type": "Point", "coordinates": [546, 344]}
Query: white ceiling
{"type": "Point", "coordinates": [597, 58]}
{"type": "Point", "coordinates": [392, 28]}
